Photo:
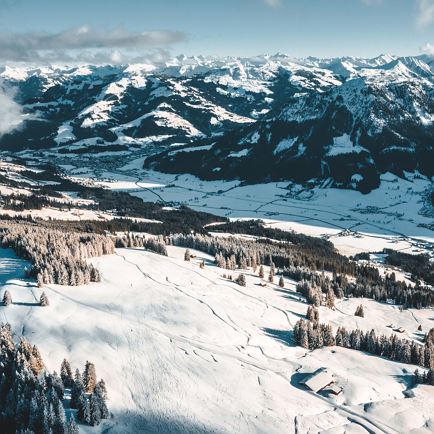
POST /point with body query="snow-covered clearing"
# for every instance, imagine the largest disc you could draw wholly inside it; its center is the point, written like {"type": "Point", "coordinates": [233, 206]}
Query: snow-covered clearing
{"type": "Point", "coordinates": [184, 350]}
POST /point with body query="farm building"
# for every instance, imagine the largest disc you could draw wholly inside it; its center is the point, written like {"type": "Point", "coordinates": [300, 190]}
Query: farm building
{"type": "Point", "coordinates": [322, 379]}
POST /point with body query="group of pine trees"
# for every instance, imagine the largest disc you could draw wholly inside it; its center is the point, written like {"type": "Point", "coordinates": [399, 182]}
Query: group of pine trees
{"type": "Point", "coordinates": [424, 377]}
{"type": "Point", "coordinates": [88, 395]}
{"type": "Point", "coordinates": [31, 398]}
{"type": "Point", "coordinates": [156, 245]}
{"type": "Point", "coordinates": [7, 299]}
{"type": "Point", "coordinates": [57, 256]}
{"type": "Point", "coordinates": [313, 335]}
{"type": "Point", "coordinates": [305, 265]}
{"type": "Point", "coordinates": [367, 284]}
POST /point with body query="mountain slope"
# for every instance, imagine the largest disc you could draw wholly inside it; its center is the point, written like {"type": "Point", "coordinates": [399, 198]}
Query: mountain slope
{"type": "Point", "coordinates": [375, 119]}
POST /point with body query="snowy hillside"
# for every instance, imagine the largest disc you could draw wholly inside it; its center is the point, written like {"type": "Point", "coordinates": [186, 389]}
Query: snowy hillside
{"type": "Point", "coordinates": [184, 350]}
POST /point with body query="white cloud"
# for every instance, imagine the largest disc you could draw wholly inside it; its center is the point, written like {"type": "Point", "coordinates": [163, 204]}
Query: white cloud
{"type": "Point", "coordinates": [425, 12]}
{"type": "Point", "coordinates": [428, 49]}
{"type": "Point", "coordinates": [10, 113]}
{"type": "Point", "coordinates": [273, 3]}
{"type": "Point", "coordinates": [81, 42]}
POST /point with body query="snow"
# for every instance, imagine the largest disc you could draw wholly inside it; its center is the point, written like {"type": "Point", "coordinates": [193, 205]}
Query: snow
{"type": "Point", "coordinates": [64, 134]}
{"type": "Point", "coordinates": [284, 144]}
{"type": "Point", "coordinates": [344, 145]}
{"type": "Point", "coordinates": [184, 350]}
{"type": "Point", "coordinates": [239, 154]}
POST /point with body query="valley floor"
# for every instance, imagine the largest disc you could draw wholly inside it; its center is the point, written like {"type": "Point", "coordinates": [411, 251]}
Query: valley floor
{"type": "Point", "coordinates": [184, 350]}
{"type": "Point", "coordinates": [397, 215]}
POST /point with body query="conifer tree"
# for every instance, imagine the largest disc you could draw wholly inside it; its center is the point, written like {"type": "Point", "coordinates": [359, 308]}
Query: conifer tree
{"type": "Point", "coordinates": [7, 298]}
{"type": "Point", "coordinates": [102, 389]}
{"type": "Point", "coordinates": [89, 377]}
{"type": "Point", "coordinates": [77, 390]}
{"type": "Point", "coordinates": [72, 426]}
{"type": "Point", "coordinates": [281, 282]}
{"type": "Point", "coordinates": [430, 337]}
{"type": "Point", "coordinates": [271, 273]}
{"type": "Point", "coordinates": [359, 311]}
{"type": "Point", "coordinates": [83, 413]}
{"type": "Point", "coordinates": [187, 255]}
{"type": "Point", "coordinates": [261, 272]}
{"type": "Point", "coordinates": [66, 374]}
{"type": "Point", "coordinates": [330, 299]}
{"type": "Point", "coordinates": [95, 410]}
{"type": "Point", "coordinates": [43, 301]}
{"type": "Point", "coordinates": [241, 280]}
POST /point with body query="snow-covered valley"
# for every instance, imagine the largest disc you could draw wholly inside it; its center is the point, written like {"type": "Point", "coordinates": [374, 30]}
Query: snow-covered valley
{"type": "Point", "coordinates": [184, 350]}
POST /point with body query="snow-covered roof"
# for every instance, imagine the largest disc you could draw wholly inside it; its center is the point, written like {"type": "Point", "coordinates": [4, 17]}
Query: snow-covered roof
{"type": "Point", "coordinates": [318, 380]}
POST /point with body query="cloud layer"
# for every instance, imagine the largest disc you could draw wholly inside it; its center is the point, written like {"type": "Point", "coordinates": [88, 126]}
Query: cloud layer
{"type": "Point", "coordinates": [10, 113]}
{"type": "Point", "coordinates": [81, 42]}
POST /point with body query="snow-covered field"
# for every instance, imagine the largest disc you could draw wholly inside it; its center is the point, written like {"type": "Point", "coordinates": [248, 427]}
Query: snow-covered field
{"type": "Point", "coordinates": [396, 215]}
{"type": "Point", "coordinates": [184, 350]}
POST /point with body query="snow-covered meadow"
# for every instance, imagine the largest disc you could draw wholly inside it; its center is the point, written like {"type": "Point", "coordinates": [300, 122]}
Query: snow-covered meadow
{"type": "Point", "coordinates": [184, 350]}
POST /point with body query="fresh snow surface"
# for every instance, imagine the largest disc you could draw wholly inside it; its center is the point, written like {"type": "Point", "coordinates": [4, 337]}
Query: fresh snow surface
{"type": "Point", "coordinates": [284, 145]}
{"type": "Point", "coordinates": [239, 154]}
{"type": "Point", "coordinates": [344, 145]}
{"type": "Point", "coordinates": [184, 350]}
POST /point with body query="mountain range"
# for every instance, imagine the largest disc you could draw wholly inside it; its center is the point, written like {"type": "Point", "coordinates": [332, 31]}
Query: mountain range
{"type": "Point", "coordinates": [341, 122]}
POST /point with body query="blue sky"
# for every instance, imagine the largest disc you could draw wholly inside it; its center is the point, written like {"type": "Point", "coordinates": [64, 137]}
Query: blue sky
{"type": "Point", "coordinates": [30, 29]}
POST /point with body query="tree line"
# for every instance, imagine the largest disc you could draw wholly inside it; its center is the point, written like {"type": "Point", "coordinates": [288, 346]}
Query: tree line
{"type": "Point", "coordinates": [366, 284]}
{"type": "Point", "coordinates": [57, 256]}
{"type": "Point", "coordinates": [156, 245]}
{"type": "Point", "coordinates": [312, 335]}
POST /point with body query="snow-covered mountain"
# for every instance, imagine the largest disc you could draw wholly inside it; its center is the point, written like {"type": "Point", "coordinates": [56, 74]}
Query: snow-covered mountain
{"type": "Point", "coordinates": [263, 118]}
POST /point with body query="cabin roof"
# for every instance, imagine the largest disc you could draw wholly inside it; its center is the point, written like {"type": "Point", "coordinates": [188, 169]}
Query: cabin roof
{"type": "Point", "coordinates": [318, 380]}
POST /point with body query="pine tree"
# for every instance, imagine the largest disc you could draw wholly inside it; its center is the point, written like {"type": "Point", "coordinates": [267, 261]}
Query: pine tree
{"type": "Point", "coordinates": [281, 282]}
{"type": "Point", "coordinates": [72, 426]}
{"type": "Point", "coordinates": [40, 280]}
{"type": "Point", "coordinates": [43, 301]}
{"type": "Point", "coordinates": [241, 280]}
{"type": "Point", "coordinates": [102, 389]}
{"type": "Point", "coordinates": [101, 394]}
{"type": "Point", "coordinates": [7, 298]}
{"type": "Point", "coordinates": [187, 255]}
{"type": "Point", "coordinates": [429, 339]}
{"type": "Point", "coordinates": [89, 377]}
{"type": "Point", "coordinates": [77, 390]}
{"type": "Point", "coordinates": [271, 273]}
{"type": "Point", "coordinates": [66, 373]}
{"type": "Point", "coordinates": [261, 272]}
{"type": "Point", "coordinates": [359, 311]}
{"type": "Point", "coordinates": [330, 299]}
{"type": "Point", "coordinates": [95, 410]}
{"type": "Point", "coordinates": [83, 413]}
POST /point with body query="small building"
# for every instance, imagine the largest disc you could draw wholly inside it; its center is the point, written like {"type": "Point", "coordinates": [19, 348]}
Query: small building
{"type": "Point", "coordinates": [333, 389]}
{"type": "Point", "coordinates": [319, 380]}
